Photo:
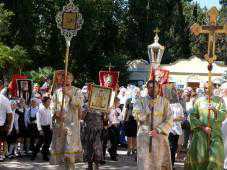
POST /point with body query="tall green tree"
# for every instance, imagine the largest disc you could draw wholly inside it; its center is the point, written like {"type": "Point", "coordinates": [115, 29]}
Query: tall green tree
{"type": "Point", "coordinates": [12, 59]}
{"type": "Point", "coordinates": [113, 32]}
{"type": "Point", "coordinates": [5, 16]}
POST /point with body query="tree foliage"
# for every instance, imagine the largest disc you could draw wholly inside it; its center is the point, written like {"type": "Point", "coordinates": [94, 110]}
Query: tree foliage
{"type": "Point", "coordinates": [5, 16]}
{"type": "Point", "coordinates": [41, 74]}
{"type": "Point", "coordinates": [113, 32]}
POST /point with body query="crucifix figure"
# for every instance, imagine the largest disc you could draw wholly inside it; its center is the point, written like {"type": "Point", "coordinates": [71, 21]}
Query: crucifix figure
{"type": "Point", "coordinates": [212, 30]}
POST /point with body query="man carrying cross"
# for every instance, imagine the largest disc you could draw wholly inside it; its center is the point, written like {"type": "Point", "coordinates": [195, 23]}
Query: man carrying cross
{"type": "Point", "coordinates": [202, 153]}
{"type": "Point", "coordinates": [207, 149]}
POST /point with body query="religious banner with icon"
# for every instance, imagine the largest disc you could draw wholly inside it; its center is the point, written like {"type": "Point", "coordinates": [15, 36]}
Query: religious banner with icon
{"type": "Point", "coordinates": [68, 21]}
{"type": "Point", "coordinates": [99, 97]}
{"type": "Point", "coordinates": [12, 87]}
{"type": "Point", "coordinates": [161, 75]}
{"type": "Point", "coordinates": [24, 89]}
{"type": "Point", "coordinates": [109, 79]}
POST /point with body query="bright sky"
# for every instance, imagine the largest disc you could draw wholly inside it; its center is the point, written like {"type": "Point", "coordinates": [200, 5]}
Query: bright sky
{"type": "Point", "coordinates": [208, 3]}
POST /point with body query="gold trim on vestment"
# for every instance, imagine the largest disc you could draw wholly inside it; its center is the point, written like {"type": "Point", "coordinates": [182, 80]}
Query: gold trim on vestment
{"type": "Point", "coordinates": [63, 153]}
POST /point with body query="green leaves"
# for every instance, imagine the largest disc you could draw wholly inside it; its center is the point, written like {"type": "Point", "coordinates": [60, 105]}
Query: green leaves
{"type": "Point", "coordinates": [13, 58]}
{"type": "Point", "coordinates": [41, 74]}
{"type": "Point", "coordinates": [5, 16]}
{"type": "Point", "coordinates": [113, 32]}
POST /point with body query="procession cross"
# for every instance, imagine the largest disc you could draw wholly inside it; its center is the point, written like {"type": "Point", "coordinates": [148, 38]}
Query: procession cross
{"type": "Point", "coordinates": [212, 30]}
{"type": "Point", "coordinates": [69, 21]}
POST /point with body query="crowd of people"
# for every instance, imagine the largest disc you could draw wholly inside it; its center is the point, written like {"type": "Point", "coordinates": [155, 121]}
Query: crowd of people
{"type": "Point", "coordinates": [69, 131]}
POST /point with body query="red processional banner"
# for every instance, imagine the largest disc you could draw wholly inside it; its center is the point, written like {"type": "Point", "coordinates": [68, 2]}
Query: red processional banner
{"type": "Point", "coordinates": [161, 75]}
{"type": "Point", "coordinates": [13, 84]}
{"type": "Point", "coordinates": [109, 79]}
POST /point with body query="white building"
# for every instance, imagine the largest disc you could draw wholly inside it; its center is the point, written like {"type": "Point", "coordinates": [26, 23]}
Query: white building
{"type": "Point", "coordinates": [184, 72]}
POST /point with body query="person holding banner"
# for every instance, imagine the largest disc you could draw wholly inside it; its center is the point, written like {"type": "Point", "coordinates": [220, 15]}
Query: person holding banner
{"type": "Point", "coordinates": [207, 148]}
{"type": "Point", "coordinates": [159, 158]}
{"type": "Point", "coordinates": [91, 136]}
{"type": "Point", "coordinates": [66, 144]}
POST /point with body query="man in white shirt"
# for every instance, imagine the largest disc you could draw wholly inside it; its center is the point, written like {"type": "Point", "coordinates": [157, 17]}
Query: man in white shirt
{"type": "Point", "coordinates": [31, 123]}
{"type": "Point", "coordinates": [115, 117]}
{"type": "Point", "coordinates": [6, 118]}
{"type": "Point", "coordinates": [44, 125]}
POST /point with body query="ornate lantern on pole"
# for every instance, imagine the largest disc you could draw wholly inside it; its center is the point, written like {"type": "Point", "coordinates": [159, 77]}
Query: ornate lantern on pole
{"type": "Point", "coordinates": [69, 21]}
{"type": "Point", "coordinates": [155, 53]}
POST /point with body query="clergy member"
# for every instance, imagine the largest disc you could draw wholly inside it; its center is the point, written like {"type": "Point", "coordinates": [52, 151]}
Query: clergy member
{"type": "Point", "coordinates": [153, 105]}
{"type": "Point", "coordinates": [203, 155]}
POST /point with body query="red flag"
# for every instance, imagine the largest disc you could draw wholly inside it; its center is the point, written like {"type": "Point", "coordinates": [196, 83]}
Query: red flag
{"type": "Point", "coordinates": [161, 75]}
{"type": "Point", "coordinates": [109, 79]}
{"type": "Point", "coordinates": [151, 73]}
{"type": "Point", "coordinates": [13, 84]}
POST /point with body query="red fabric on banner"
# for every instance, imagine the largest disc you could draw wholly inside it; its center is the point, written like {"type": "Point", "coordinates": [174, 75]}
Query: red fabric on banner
{"type": "Point", "coordinates": [13, 84]}
{"type": "Point", "coordinates": [109, 79]}
{"type": "Point", "coordinates": [161, 75]}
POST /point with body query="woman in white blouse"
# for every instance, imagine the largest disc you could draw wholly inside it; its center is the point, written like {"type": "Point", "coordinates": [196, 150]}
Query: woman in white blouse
{"type": "Point", "coordinates": [178, 115]}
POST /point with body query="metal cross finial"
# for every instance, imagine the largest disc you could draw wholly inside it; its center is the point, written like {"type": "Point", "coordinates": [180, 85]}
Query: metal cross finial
{"type": "Point", "coordinates": [156, 31]}
{"type": "Point", "coordinates": [110, 66]}
{"type": "Point", "coordinates": [156, 38]}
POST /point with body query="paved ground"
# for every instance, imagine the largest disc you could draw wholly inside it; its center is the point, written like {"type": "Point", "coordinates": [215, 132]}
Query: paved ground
{"type": "Point", "coordinates": [124, 163]}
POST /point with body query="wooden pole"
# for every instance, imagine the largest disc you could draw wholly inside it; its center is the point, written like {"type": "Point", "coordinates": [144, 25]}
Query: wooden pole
{"type": "Point", "coordinates": [153, 69]}
{"type": "Point", "coordinates": [209, 98]}
{"type": "Point", "coordinates": [65, 73]}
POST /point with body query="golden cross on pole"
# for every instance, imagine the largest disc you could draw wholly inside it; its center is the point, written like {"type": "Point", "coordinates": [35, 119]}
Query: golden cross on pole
{"type": "Point", "coordinates": [212, 30]}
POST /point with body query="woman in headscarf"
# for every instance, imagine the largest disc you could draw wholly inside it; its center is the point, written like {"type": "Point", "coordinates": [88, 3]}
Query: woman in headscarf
{"type": "Point", "coordinates": [91, 135]}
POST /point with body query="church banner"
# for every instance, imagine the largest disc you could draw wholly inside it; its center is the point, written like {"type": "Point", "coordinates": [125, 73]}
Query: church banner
{"type": "Point", "coordinates": [161, 75]}
{"type": "Point", "coordinates": [13, 87]}
{"type": "Point", "coordinates": [109, 79]}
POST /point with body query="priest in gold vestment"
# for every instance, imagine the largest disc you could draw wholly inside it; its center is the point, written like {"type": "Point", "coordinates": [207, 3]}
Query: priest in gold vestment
{"type": "Point", "coordinates": [159, 158]}
{"type": "Point", "coordinates": [66, 143]}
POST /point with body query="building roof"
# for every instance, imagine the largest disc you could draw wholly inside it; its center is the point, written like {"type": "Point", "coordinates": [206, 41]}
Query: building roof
{"type": "Point", "coordinates": [193, 65]}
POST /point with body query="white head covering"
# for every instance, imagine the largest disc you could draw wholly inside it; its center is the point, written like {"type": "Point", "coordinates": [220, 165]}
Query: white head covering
{"type": "Point", "coordinates": [84, 89]}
